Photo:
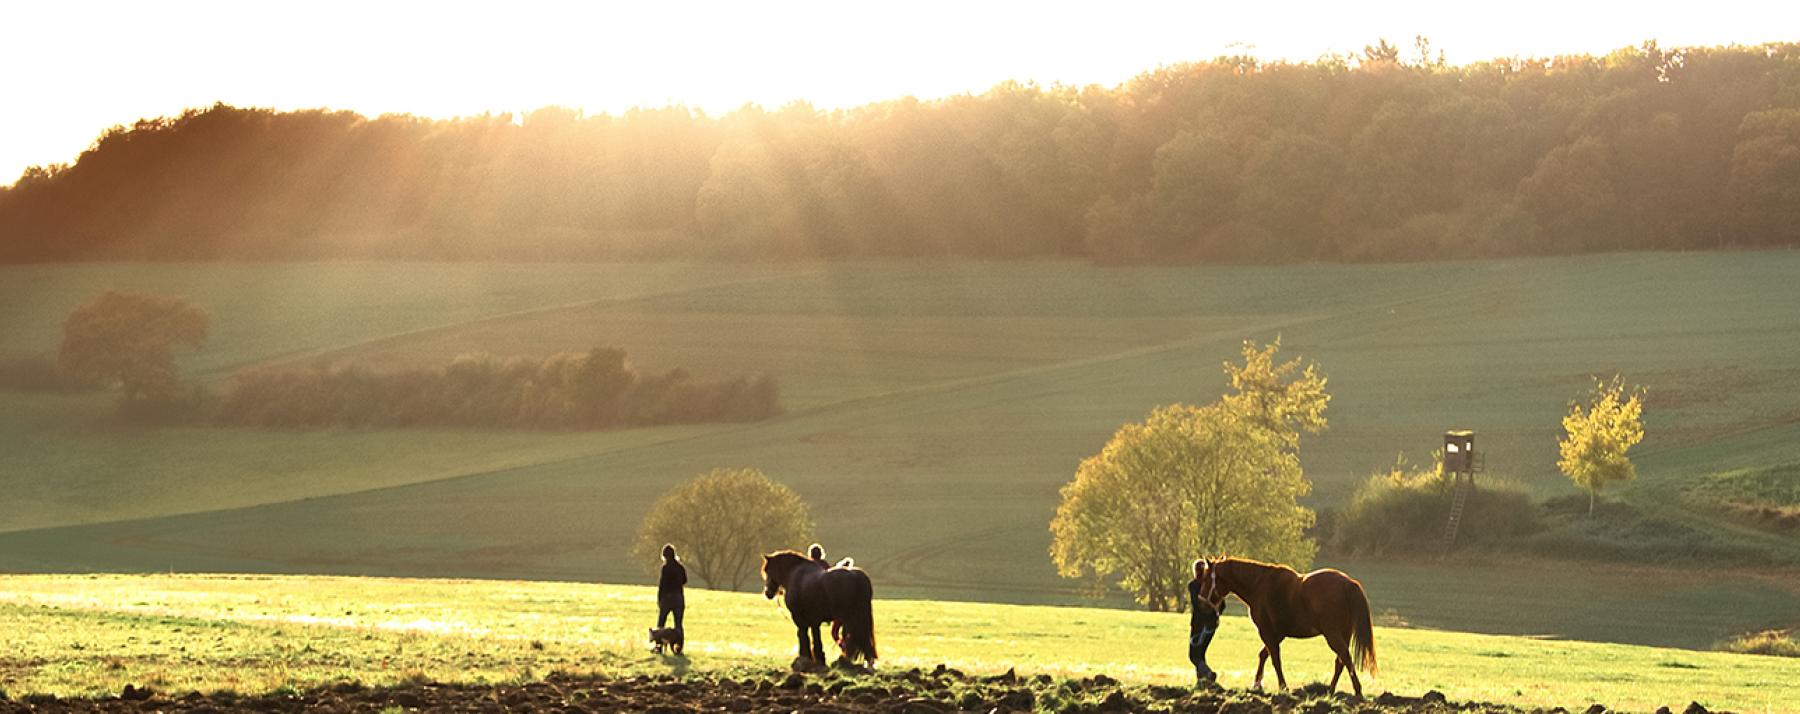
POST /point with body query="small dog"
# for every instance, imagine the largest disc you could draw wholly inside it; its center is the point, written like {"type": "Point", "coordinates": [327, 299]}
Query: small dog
{"type": "Point", "coordinates": [669, 638]}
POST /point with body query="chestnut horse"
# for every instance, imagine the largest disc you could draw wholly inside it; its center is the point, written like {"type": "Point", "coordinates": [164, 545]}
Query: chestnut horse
{"type": "Point", "coordinates": [815, 594]}
{"type": "Point", "coordinates": [1285, 604]}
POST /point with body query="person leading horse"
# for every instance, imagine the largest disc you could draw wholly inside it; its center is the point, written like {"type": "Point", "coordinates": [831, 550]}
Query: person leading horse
{"type": "Point", "coordinates": [1285, 604]}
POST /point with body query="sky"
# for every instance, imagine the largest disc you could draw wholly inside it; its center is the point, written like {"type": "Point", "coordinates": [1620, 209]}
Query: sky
{"type": "Point", "coordinates": [76, 67]}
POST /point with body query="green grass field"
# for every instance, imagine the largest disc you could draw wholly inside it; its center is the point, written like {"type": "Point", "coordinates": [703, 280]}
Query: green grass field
{"type": "Point", "coordinates": [934, 410]}
{"type": "Point", "coordinates": [91, 635]}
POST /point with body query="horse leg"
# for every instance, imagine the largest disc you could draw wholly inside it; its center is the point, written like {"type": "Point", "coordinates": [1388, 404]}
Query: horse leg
{"type": "Point", "coordinates": [1340, 646]}
{"type": "Point", "coordinates": [1337, 670]}
{"type": "Point", "coordinates": [1275, 656]}
{"type": "Point", "coordinates": [818, 645]}
{"type": "Point", "coordinates": [805, 649]}
{"type": "Point", "coordinates": [1262, 658]}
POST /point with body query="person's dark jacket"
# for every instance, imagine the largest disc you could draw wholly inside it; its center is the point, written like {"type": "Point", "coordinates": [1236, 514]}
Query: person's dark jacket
{"type": "Point", "coordinates": [1204, 617]}
{"type": "Point", "coordinates": [673, 577]}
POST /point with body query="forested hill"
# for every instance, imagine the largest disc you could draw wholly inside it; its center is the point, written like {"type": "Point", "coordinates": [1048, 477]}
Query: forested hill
{"type": "Point", "coordinates": [1347, 158]}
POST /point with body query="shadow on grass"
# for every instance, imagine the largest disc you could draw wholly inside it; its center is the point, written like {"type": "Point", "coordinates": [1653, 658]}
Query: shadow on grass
{"type": "Point", "coordinates": [678, 664]}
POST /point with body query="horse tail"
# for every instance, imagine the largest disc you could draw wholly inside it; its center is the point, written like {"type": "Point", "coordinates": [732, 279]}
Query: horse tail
{"type": "Point", "coordinates": [859, 625]}
{"type": "Point", "coordinates": [1362, 633]}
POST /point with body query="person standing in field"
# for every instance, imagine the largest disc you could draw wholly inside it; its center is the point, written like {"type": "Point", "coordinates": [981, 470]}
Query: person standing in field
{"type": "Point", "coordinates": [1203, 624]}
{"type": "Point", "coordinates": [817, 553]}
{"type": "Point", "coordinates": [670, 597]}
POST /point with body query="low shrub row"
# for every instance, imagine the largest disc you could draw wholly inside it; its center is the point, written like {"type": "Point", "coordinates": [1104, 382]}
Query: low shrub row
{"type": "Point", "coordinates": [597, 389]}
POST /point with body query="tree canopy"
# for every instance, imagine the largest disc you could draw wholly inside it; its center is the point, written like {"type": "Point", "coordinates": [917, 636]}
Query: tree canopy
{"type": "Point", "coordinates": [1598, 432]}
{"type": "Point", "coordinates": [1278, 396]}
{"type": "Point", "coordinates": [1190, 481]}
{"type": "Point", "coordinates": [722, 522]}
{"type": "Point", "coordinates": [127, 339]}
{"type": "Point", "coordinates": [1370, 157]}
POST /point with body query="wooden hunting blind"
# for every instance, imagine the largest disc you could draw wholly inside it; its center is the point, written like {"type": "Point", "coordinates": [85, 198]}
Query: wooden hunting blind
{"type": "Point", "coordinates": [1459, 451]}
{"type": "Point", "coordinates": [1460, 464]}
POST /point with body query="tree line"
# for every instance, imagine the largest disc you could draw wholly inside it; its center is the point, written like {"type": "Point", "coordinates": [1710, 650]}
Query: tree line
{"type": "Point", "coordinates": [1379, 156]}
{"type": "Point", "coordinates": [126, 340]}
{"type": "Point", "coordinates": [596, 389]}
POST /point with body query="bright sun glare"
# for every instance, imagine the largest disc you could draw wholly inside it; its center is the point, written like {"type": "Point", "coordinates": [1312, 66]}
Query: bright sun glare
{"type": "Point", "coordinates": [97, 64]}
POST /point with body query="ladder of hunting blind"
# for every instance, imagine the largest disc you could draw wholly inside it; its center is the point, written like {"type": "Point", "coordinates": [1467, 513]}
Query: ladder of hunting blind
{"type": "Point", "coordinates": [1464, 484]}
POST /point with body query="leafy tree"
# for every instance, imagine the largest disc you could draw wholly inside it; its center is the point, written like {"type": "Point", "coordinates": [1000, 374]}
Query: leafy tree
{"type": "Point", "coordinates": [1195, 192]}
{"type": "Point", "coordinates": [126, 339]}
{"type": "Point", "coordinates": [1288, 183]}
{"type": "Point", "coordinates": [1597, 435]}
{"type": "Point", "coordinates": [1381, 53]}
{"type": "Point", "coordinates": [1221, 478]}
{"type": "Point", "coordinates": [722, 522]}
{"type": "Point", "coordinates": [1278, 396]}
{"type": "Point", "coordinates": [1115, 230]}
{"type": "Point", "coordinates": [1765, 176]}
{"type": "Point", "coordinates": [1573, 198]}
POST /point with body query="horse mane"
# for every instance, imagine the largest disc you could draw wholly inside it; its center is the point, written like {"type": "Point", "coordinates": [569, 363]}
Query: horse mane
{"type": "Point", "coordinates": [780, 555]}
{"type": "Point", "coordinates": [1261, 571]}
{"type": "Point", "coordinates": [1259, 564]}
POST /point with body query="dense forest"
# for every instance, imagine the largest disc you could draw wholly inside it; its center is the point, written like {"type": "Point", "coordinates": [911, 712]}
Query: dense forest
{"type": "Point", "coordinates": [1390, 154]}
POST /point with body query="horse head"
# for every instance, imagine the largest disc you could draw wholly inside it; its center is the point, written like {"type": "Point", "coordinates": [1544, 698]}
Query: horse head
{"type": "Point", "coordinates": [771, 580]}
{"type": "Point", "coordinates": [1207, 573]}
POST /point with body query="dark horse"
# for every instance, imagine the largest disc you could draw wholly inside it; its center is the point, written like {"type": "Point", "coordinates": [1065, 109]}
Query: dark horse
{"type": "Point", "coordinates": [815, 594]}
{"type": "Point", "coordinates": [1285, 604]}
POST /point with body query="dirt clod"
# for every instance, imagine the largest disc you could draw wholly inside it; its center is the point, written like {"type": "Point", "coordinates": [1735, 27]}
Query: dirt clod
{"type": "Point", "coordinates": [1018, 700]}
{"type": "Point", "coordinates": [907, 692]}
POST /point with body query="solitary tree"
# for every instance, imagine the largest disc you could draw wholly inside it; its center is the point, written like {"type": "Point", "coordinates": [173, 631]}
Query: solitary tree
{"type": "Point", "coordinates": [1222, 478]}
{"type": "Point", "coordinates": [126, 339]}
{"type": "Point", "coordinates": [722, 522]}
{"type": "Point", "coordinates": [1598, 433]}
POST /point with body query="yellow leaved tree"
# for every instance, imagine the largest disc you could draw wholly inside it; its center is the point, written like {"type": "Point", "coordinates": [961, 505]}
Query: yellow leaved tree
{"type": "Point", "coordinates": [1597, 434]}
